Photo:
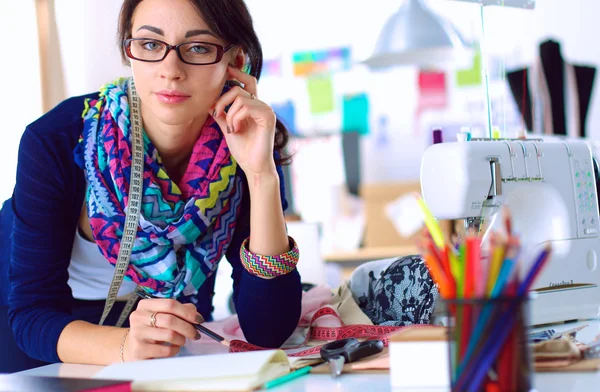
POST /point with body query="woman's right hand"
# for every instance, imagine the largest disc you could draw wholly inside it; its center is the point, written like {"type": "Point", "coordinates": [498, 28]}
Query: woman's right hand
{"type": "Point", "coordinates": [173, 325]}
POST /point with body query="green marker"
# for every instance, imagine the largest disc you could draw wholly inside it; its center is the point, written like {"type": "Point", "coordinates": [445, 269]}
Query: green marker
{"type": "Point", "coordinates": [288, 377]}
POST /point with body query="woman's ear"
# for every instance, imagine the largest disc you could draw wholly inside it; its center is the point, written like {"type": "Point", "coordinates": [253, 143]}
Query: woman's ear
{"type": "Point", "coordinates": [239, 60]}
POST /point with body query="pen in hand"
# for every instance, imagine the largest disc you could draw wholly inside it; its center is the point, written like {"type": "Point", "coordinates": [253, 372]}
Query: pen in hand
{"type": "Point", "coordinates": [199, 327]}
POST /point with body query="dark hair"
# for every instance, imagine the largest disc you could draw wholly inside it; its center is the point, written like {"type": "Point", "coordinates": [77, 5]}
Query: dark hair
{"type": "Point", "coordinates": [230, 20]}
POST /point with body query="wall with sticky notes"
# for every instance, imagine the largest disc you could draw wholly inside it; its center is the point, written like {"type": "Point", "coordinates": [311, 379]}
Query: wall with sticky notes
{"type": "Point", "coordinates": [393, 110]}
{"type": "Point", "coordinates": [328, 39]}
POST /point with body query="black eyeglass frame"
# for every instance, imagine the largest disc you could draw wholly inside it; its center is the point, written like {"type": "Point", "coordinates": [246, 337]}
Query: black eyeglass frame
{"type": "Point", "coordinates": [221, 50]}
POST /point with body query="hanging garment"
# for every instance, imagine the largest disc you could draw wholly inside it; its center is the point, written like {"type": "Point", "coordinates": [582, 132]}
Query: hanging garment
{"type": "Point", "coordinates": [552, 95]}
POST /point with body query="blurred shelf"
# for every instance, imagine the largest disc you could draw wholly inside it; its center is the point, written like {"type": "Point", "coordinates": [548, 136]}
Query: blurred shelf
{"type": "Point", "coordinates": [368, 254]}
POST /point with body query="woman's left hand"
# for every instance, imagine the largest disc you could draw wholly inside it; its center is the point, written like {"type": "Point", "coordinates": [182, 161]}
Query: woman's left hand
{"type": "Point", "coordinates": [248, 125]}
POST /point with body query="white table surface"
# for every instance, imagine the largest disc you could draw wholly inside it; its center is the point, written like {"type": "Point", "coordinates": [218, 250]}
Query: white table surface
{"type": "Point", "coordinates": [560, 382]}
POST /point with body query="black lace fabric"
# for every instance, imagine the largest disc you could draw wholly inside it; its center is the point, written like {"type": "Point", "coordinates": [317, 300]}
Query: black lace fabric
{"type": "Point", "coordinates": [403, 294]}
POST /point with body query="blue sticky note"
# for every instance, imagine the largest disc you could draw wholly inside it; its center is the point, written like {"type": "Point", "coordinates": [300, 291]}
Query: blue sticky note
{"type": "Point", "coordinates": [356, 114]}
{"type": "Point", "coordinates": [286, 113]}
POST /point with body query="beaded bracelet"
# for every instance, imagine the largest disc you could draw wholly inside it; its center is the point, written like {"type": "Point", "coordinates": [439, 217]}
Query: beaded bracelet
{"type": "Point", "coordinates": [269, 266]}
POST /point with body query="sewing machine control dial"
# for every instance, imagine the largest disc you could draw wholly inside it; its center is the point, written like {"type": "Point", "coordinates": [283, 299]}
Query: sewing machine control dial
{"type": "Point", "coordinates": [585, 197]}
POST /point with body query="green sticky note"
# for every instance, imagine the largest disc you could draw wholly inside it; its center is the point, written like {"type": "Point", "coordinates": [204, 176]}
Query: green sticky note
{"type": "Point", "coordinates": [472, 76]}
{"type": "Point", "coordinates": [356, 114]}
{"type": "Point", "coordinates": [320, 94]}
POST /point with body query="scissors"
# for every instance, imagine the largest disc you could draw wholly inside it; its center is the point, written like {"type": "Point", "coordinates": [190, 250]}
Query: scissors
{"type": "Point", "coordinates": [348, 350]}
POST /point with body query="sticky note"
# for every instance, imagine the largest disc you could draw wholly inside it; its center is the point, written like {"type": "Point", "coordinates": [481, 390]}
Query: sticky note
{"type": "Point", "coordinates": [433, 93]}
{"type": "Point", "coordinates": [321, 61]}
{"type": "Point", "coordinates": [472, 76]}
{"type": "Point", "coordinates": [271, 68]}
{"type": "Point", "coordinates": [356, 114]}
{"type": "Point", "coordinates": [320, 94]}
{"type": "Point", "coordinates": [286, 113]}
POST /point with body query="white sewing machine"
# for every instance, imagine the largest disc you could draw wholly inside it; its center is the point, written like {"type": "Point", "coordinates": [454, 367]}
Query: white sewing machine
{"type": "Point", "coordinates": [550, 189]}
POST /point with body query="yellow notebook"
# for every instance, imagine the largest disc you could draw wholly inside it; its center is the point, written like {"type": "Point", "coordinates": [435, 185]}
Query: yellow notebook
{"type": "Point", "coordinates": [220, 372]}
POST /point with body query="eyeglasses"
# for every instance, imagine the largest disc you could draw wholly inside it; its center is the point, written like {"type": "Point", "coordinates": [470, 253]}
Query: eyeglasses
{"type": "Point", "coordinates": [194, 53]}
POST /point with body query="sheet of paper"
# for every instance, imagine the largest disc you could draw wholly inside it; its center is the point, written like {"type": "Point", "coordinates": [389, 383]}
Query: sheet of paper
{"type": "Point", "coordinates": [320, 61]}
{"type": "Point", "coordinates": [405, 214]}
{"type": "Point", "coordinates": [316, 194]}
{"type": "Point", "coordinates": [433, 92]}
{"type": "Point", "coordinates": [471, 76]}
{"type": "Point", "coordinates": [204, 346]}
{"type": "Point", "coordinates": [286, 113]}
{"type": "Point", "coordinates": [320, 94]}
{"type": "Point", "coordinates": [187, 367]}
{"type": "Point", "coordinates": [356, 114]}
{"type": "Point", "coordinates": [311, 265]}
{"type": "Point", "coordinates": [271, 67]}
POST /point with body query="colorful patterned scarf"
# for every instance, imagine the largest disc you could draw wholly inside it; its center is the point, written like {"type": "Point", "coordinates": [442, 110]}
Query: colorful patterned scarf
{"type": "Point", "coordinates": [183, 230]}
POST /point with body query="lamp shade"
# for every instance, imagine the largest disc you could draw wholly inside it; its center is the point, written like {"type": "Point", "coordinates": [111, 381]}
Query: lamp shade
{"type": "Point", "coordinates": [415, 35]}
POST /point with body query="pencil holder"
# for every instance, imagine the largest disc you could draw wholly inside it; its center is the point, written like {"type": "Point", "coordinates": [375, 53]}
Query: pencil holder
{"type": "Point", "coordinates": [487, 344]}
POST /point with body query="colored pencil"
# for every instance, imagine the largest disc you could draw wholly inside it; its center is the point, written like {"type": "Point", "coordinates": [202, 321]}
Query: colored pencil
{"type": "Point", "coordinates": [288, 377]}
{"type": "Point", "coordinates": [446, 256]}
{"type": "Point", "coordinates": [475, 375]}
{"type": "Point", "coordinates": [468, 274]}
{"type": "Point", "coordinates": [437, 274]}
{"type": "Point", "coordinates": [200, 328]}
{"type": "Point", "coordinates": [497, 255]}
{"type": "Point", "coordinates": [431, 223]}
{"type": "Point", "coordinates": [455, 266]}
{"type": "Point", "coordinates": [535, 270]}
{"type": "Point", "coordinates": [507, 221]}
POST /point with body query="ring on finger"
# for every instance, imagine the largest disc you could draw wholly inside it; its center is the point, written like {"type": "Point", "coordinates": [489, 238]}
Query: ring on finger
{"type": "Point", "coordinates": [153, 320]}
{"type": "Point", "coordinates": [252, 96]}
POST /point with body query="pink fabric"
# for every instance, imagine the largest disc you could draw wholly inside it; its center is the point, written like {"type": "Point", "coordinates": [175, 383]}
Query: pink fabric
{"type": "Point", "coordinates": [312, 300]}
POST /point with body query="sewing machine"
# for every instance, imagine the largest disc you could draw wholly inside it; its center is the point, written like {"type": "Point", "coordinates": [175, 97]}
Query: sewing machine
{"type": "Point", "coordinates": [550, 189]}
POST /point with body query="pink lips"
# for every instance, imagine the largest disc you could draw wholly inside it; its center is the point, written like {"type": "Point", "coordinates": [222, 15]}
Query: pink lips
{"type": "Point", "coordinates": [172, 96]}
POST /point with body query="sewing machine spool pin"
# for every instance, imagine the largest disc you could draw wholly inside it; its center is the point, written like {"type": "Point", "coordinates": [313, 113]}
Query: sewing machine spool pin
{"type": "Point", "coordinates": [511, 155]}
{"type": "Point", "coordinates": [538, 155]}
{"type": "Point", "coordinates": [525, 156]}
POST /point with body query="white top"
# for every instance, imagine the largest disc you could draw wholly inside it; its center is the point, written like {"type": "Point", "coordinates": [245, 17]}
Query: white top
{"type": "Point", "coordinates": [90, 273]}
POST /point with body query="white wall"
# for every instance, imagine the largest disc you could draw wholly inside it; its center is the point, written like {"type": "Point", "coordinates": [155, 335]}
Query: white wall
{"type": "Point", "coordinates": [90, 54]}
{"type": "Point", "coordinates": [21, 100]}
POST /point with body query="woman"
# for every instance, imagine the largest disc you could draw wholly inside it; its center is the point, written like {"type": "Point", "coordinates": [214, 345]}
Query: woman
{"type": "Point", "coordinates": [212, 187]}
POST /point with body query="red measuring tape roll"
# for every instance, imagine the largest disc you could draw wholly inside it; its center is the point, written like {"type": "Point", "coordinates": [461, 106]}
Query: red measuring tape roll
{"type": "Point", "coordinates": [359, 331]}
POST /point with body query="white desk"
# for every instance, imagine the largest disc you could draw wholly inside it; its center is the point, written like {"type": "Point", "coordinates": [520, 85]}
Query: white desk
{"type": "Point", "coordinates": [380, 383]}
{"type": "Point", "coordinates": [560, 382]}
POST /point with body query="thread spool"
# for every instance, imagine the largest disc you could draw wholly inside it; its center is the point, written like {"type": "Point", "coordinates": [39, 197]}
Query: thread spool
{"type": "Point", "coordinates": [437, 136]}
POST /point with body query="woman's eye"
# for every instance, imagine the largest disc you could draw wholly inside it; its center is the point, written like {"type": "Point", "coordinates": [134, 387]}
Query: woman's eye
{"type": "Point", "coordinates": [150, 45]}
{"type": "Point", "coordinates": [198, 49]}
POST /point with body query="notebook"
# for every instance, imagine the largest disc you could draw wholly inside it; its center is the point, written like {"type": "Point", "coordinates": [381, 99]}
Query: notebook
{"type": "Point", "coordinates": [22, 383]}
{"type": "Point", "coordinates": [221, 372]}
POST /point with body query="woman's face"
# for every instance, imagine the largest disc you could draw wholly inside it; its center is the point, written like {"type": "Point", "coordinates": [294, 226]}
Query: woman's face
{"type": "Point", "coordinates": [174, 92]}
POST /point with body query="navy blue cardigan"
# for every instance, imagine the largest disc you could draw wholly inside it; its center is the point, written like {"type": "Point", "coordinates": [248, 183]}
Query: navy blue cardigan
{"type": "Point", "coordinates": [37, 228]}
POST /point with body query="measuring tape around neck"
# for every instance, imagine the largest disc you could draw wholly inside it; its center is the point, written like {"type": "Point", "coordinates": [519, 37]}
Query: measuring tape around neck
{"type": "Point", "coordinates": [132, 216]}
